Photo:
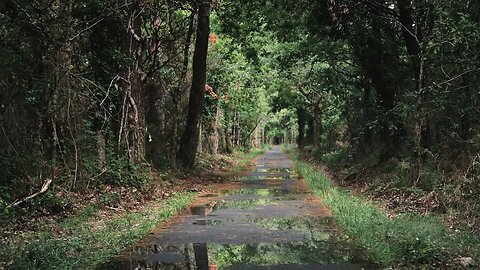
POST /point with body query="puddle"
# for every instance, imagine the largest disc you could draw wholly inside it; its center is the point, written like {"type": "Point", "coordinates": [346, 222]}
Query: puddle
{"type": "Point", "coordinates": [259, 175]}
{"type": "Point", "coordinates": [302, 255]}
{"type": "Point", "coordinates": [209, 222]}
{"type": "Point", "coordinates": [246, 203]}
{"type": "Point", "coordinates": [271, 221]}
{"type": "Point", "coordinates": [309, 225]}
{"type": "Point", "coordinates": [261, 191]}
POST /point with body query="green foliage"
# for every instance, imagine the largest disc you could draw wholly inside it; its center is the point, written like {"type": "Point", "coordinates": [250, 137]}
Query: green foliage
{"type": "Point", "coordinates": [50, 202]}
{"type": "Point", "coordinates": [337, 157]}
{"type": "Point", "coordinates": [7, 216]}
{"type": "Point", "coordinates": [241, 84]}
{"type": "Point", "coordinates": [121, 173]}
{"type": "Point", "coordinates": [429, 178]}
{"type": "Point", "coordinates": [403, 173]}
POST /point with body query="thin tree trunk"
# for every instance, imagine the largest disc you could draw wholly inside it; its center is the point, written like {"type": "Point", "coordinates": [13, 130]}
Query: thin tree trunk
{"type": "Point", "coordinates": [256, 143]}
{"type": "Point", "coordinates": [181, 86]}
{"type": "Point", "coordinates": [317, 123]}
{"type": "Point", "coordinates": [292, 136]}
{"type": "Point", "coordinates": [101, 149]}
{"type": "Point", "coordinates": [215, 137]}
{"type": "Point", "coordinates": [301, 119]}
{"type": "Point", "coordinates": [412, 40]}
{"type": "Point", "coordinates": [190, 138]}
{"type": "Point", "coordinates": [136, 116]}
{"type": "Point", "coordinates": [200, 140]}
{"type": "Point", "coordinates": [228, 140]}
{"type": "Point", "coordinates": [132, 126]}
{"type": "Point", "coordinates": [419, 123]}
{"type": "Point", "coordinates": [263, 137]}
{"type": "Point", "coordinates": [244, 143]}
{"type": "Point", "coordinates": [239, 131]}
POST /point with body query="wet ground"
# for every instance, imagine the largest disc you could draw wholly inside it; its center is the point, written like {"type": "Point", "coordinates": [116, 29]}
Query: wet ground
{"type": "Point", "coordinates": [268, 219]}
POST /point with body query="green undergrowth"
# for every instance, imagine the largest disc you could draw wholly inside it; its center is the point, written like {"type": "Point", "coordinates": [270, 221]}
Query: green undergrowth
{"type": "Point", "coordinates": [411, 240]}
{"type": "Point", "coordinates": [88, 239]}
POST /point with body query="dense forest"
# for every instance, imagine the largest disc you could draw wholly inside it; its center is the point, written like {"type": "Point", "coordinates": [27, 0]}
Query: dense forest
{"type": "Point", "coordinates": [108, 92]}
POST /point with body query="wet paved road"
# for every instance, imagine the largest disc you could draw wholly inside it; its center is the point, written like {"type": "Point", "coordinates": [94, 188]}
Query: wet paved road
{"type": "Point", "coordinates": [267, 220]}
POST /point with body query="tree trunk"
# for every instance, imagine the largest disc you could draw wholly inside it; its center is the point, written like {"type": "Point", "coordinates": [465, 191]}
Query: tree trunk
{"type": "Point", "coordinates": [61, 113]}
{"type": "Point", "coordinates": [264, 140]}
{"type": "Point", "coordinates": [190, 138]}
{"type": "Point", "coordinates": [301, 120]}
{"type": "Point", "coordinates": [136, 109]}
{"type": "Point", "coordinates": [412, 40]}
{"type": "Point", "coordinates": [317, 130]}
{"type": "Point", "coordinates": [419, 124]}
{"type": "Point", "coordinates": [200, 140]}
{"type": "Point", "coordinates": [310, 130]}
{"type": "Point", "coordinates": [255, 140]}
{"type": "Point", "coordinates": [376, 61]}
{"type": "Point", "coordinates": [155, 121]}
{"type": "Point", "coordinates": [239, 132]}
{"type": "Point", "coordinates": [292, 136]}
{"type": "Point", "coordinates": [176, 95]}
{"type": "Point", "coordinates": [217, 126]}
{"type": "Point", "coordinates": [330, 139]}
{"type": "Point", "coordinates": [222, 140]}
{"type": "Point", "coordinates": [132, 126]}
{"type": "Point", "coordinates": [101, 150]}
{"type": "Point", "coordinates": [228, 140]}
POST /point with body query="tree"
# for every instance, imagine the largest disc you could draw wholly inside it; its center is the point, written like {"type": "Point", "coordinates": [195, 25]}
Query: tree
{"type": "Point", "coordinates": [191, 134]}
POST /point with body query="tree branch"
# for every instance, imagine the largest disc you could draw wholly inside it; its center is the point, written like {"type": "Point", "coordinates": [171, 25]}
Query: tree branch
{"type": "Point", "coordinates": [44, 188]}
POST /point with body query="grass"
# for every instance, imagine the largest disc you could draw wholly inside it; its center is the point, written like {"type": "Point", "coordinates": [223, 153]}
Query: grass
{"type": "Point", "coordinates": [406, 240]}
{"type": "Point", "coordinates": [84, 243]}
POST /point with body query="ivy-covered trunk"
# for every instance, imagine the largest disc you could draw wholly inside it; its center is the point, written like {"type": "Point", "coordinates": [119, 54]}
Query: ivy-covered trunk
{"type": "Point", "coordinates": [133, 127]}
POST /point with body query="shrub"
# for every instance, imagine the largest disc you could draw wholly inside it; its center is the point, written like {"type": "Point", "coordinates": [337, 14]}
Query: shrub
{"type": "Point", "coordinates": [121, 173]}
{"type": "Point", "coordinates": [335, 157]}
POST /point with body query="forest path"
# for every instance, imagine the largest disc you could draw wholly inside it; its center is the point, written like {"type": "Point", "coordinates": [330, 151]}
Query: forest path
{"type": "Point", "coordinates": [267, 219]}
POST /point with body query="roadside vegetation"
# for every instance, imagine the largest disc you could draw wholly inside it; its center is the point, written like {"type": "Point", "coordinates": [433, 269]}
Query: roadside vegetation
{"type": "Point", "coordinates": [90, 238]}
{"type": "Point", "coordinates": [410, 240]}
{"type": "Point", "coordinates": [99, 228]}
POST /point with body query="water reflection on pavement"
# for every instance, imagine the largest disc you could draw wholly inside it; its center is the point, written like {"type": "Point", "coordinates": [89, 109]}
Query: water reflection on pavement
{"type": "Point", "coordinates": [271, 221]}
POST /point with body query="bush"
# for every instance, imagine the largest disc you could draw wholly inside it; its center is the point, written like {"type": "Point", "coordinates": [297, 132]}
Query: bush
{"type": "Point", "coordinates": [429, 178]}
{"type": "Point", "coordinates": [403, 173]}
{"type": "Point", "coordinates": [51, 202]}
{"type": "Point", "coordinates": [337, 157]}
{"type": "Point", "coordinates": [121, 173]}
{"type": "Point", "coordinates": [6, 215]}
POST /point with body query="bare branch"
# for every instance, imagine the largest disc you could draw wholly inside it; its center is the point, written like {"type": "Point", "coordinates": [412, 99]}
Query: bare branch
{"type": "Point", "coordinates": [44, 188]}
